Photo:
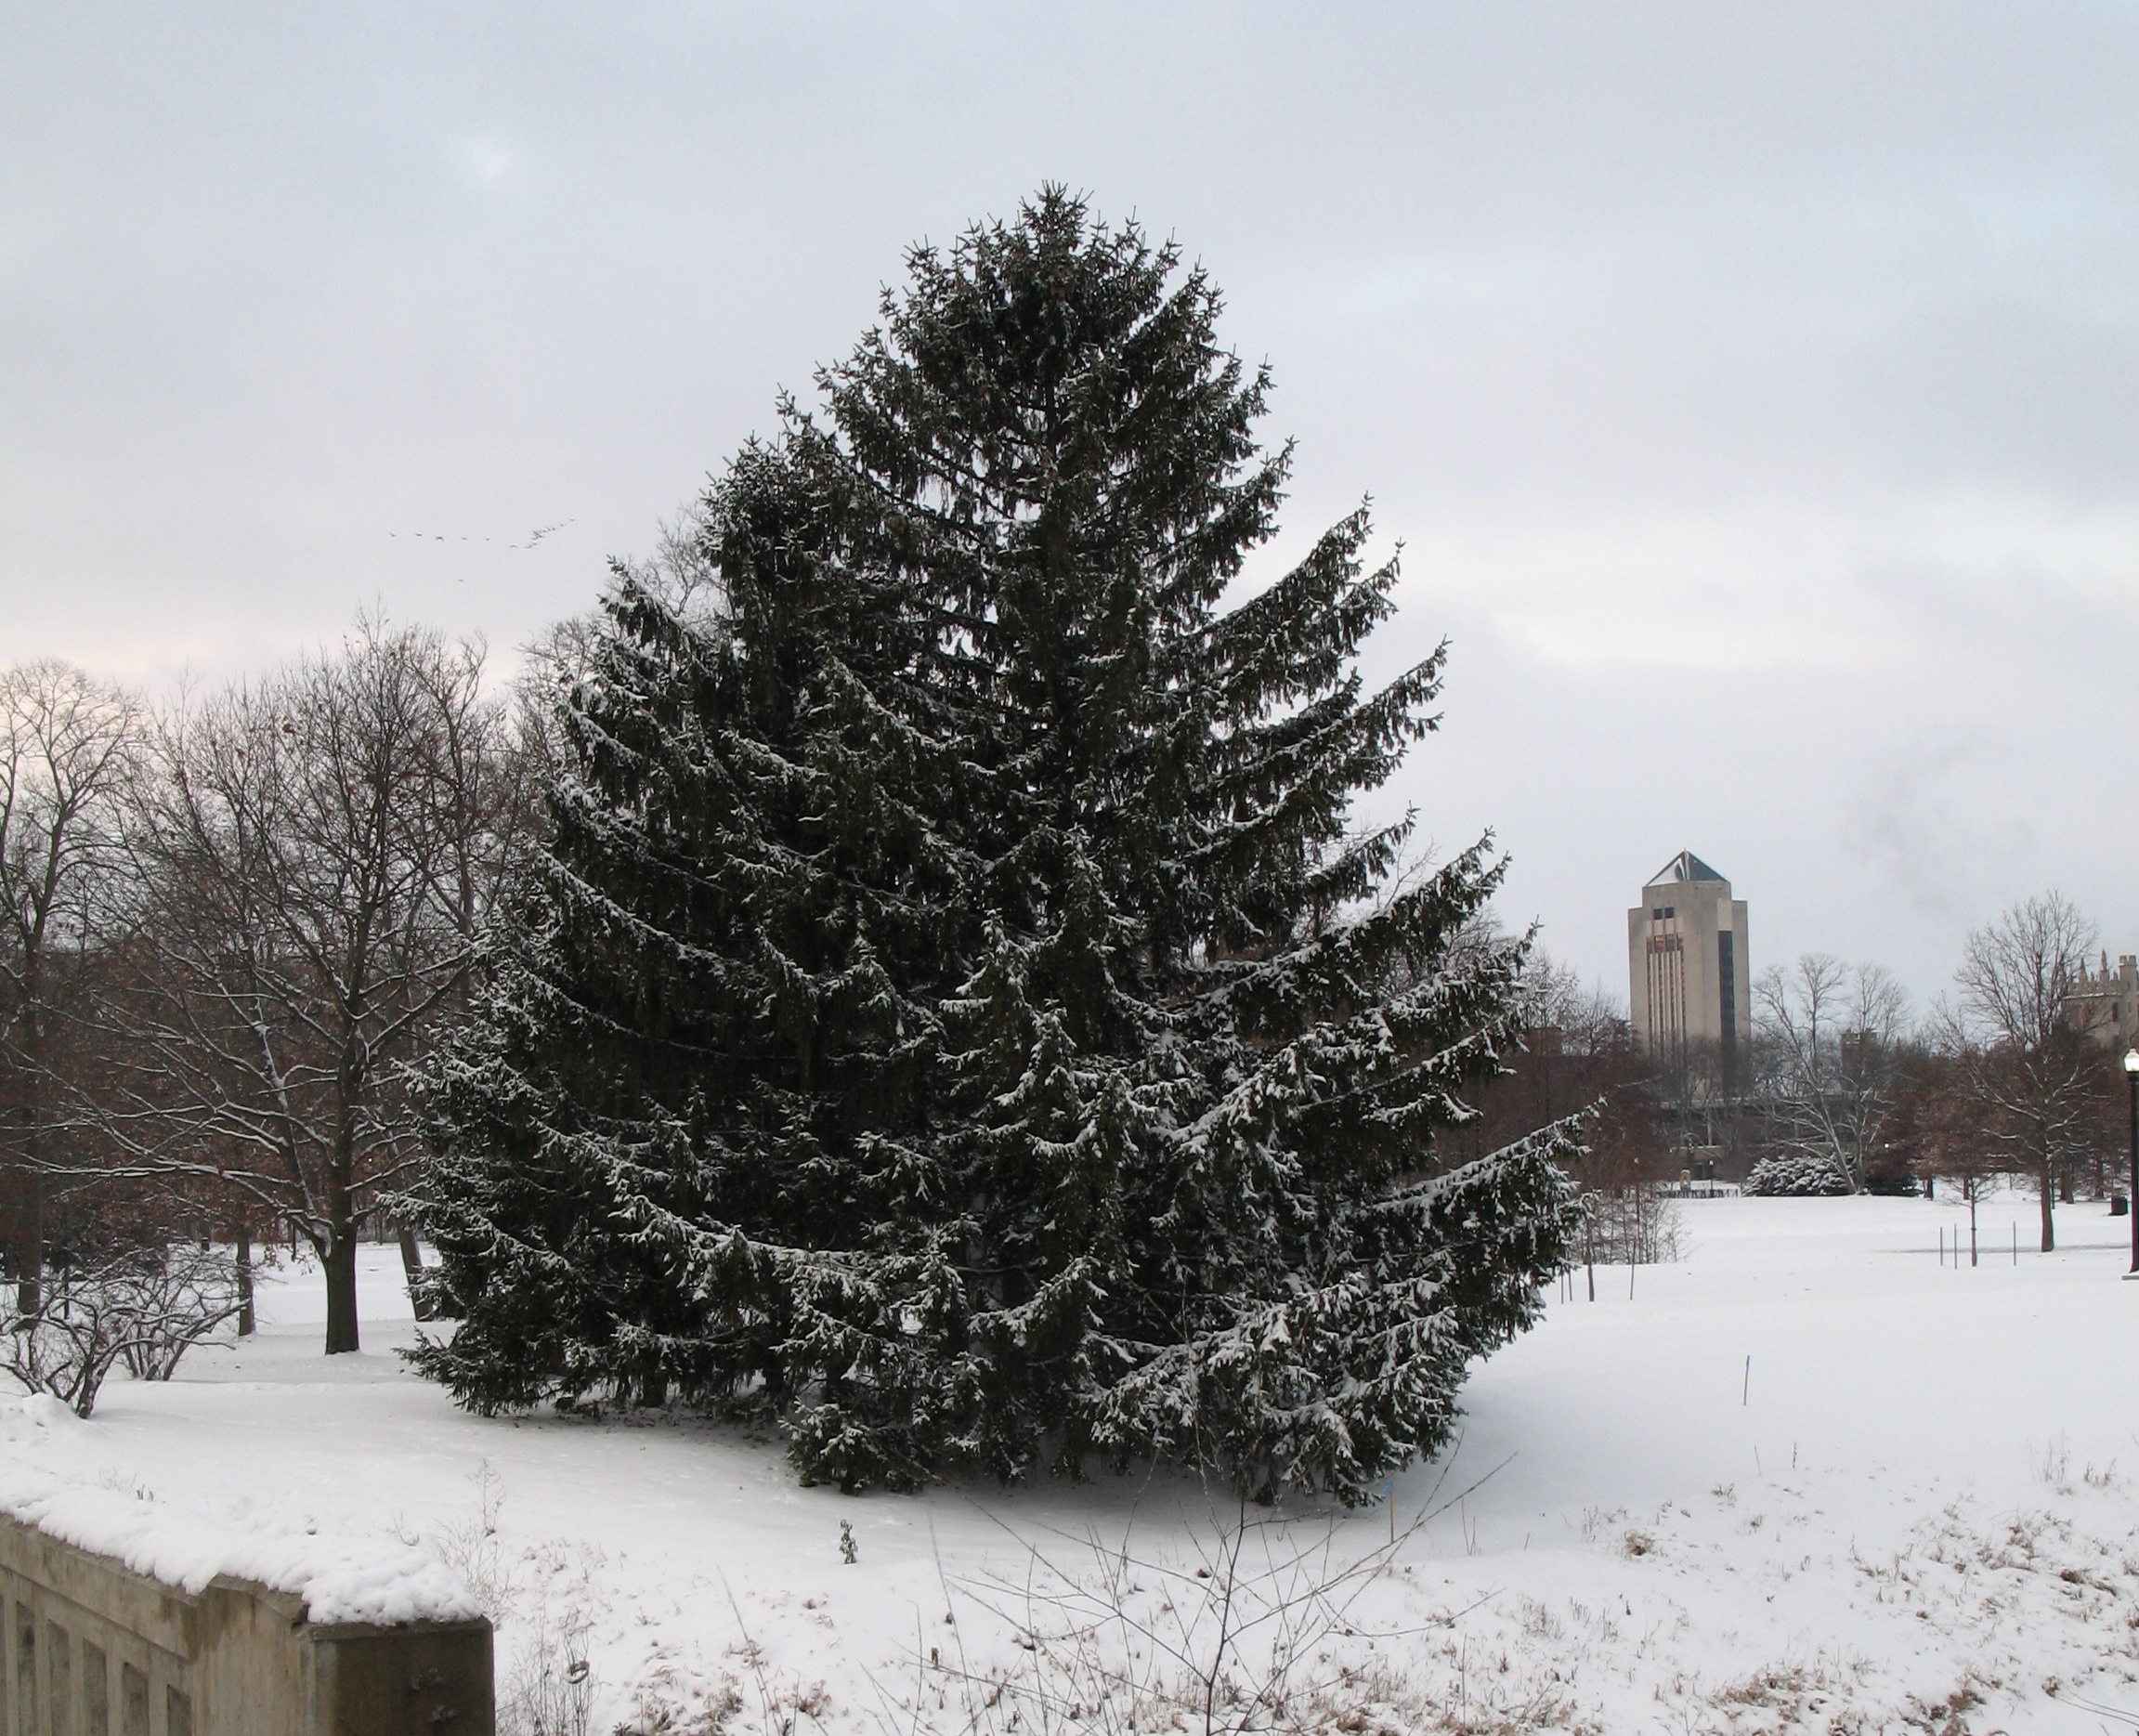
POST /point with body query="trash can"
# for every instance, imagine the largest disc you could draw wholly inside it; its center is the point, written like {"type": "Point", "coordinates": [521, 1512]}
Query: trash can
{"type": "Point", "coordinates": [2120, 1206]}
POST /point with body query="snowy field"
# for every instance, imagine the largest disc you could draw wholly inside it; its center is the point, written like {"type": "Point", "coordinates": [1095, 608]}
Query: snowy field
{"type": "Point", "coordinates": [1916, 1508]}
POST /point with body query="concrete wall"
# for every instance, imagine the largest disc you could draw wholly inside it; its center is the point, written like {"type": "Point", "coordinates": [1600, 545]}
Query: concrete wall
{"type": "Point", "coordinates": [92, 1648]}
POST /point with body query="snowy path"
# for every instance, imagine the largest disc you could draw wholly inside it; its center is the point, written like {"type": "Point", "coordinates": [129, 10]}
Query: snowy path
{"type": "Point", "coordinates": [1929, 1488]}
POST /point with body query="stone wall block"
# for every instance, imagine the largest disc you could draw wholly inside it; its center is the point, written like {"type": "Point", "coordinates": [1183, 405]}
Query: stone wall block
{"type": "Point", "coordinates": [90, 1647]}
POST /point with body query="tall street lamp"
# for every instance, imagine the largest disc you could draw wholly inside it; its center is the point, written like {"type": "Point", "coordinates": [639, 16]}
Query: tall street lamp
{"type": "Point", "coordinates": [2131, 1199]}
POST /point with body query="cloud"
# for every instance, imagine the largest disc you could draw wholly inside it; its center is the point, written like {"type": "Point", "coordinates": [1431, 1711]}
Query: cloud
{"type": "Point", "coordinates": [484, 163]}
{"type": "Point", "coordinates": [1756, 389]}
{"type": "Point", "coordinates": [1920, 823]}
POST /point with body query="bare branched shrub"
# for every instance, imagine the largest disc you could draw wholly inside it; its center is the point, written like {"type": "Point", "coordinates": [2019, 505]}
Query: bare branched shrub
{"type": "Point", "coordinates": [1232, 1637]}
{"type": "Point", "coordinates": [664, 1706]}
{"type": "Point", "coordinates": [549, 1688]}
{"type": "Point", "coordinates": [542, 1601]}
{"type": "Point", "coordinates": [174, 1296]}
{"type": "Point", "coordinates": [1635, 1225]}
{"type": "Point", "coordinates": [473, 1549]}
{"type": "Point", "coordinates": [143, 1309]}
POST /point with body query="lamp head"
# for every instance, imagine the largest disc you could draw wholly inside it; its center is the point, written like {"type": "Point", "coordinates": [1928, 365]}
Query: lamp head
{"type": "Point", "coordinates": [2132, 1061]}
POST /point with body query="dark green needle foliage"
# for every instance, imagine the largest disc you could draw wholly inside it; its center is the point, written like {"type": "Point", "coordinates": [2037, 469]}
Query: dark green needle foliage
{"type": "Point", "coordinates": [957, 1014]}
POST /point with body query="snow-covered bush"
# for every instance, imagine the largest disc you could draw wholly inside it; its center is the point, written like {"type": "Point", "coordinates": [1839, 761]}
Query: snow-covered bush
{"type": "Point", "coordinates": [1797, 1173]}
{"type": "Point", "coordinates": [143, 1309]}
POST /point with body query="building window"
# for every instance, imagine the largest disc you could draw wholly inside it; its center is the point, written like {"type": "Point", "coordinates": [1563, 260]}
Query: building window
{"type": "Point", "coordinates": [1727, 980]}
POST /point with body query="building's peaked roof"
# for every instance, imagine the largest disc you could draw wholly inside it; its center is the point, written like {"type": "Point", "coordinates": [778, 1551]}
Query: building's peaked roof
{"type": "Point", "coordinates": [1685, 866]}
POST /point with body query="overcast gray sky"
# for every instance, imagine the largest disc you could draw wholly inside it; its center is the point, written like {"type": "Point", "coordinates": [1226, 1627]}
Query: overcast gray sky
{"type": "Point", "coordinates": [1756, 388]}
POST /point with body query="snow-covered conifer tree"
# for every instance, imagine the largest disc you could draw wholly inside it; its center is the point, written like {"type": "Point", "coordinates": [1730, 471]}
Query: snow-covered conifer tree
{"type": "Point", "coordinates": [957, 1014]}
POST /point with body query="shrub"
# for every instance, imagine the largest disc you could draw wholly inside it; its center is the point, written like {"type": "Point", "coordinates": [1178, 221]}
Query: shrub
{"type": "Point", "coordinates": [144, 1308]}
{"type": "Point", "coordinates": [1797, 1173]}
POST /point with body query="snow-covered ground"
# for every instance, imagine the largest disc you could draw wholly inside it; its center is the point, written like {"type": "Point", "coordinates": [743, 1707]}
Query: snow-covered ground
{"type": "Point", "coordinates": [1916, 1507]}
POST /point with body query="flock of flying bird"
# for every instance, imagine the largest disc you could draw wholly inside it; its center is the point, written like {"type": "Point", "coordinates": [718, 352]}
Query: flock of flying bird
{"type": "Point", "coordinates": [533, 537]}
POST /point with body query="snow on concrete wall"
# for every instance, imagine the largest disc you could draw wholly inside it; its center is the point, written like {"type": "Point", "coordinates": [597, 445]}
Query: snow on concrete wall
{"type": "Point", "coordinates": [338, 1579]}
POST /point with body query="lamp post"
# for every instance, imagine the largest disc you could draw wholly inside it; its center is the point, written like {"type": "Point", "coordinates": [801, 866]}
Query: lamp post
{"type": "Point", "coordinates": [2131, 1199]}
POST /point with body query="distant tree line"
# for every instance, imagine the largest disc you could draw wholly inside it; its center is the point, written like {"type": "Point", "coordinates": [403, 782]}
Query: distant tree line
{"type": "Point", "coordinates": [227, 924]}
{"type": "Point", "coordinates": [1844, 1088]}
{"type": "Point", "coordinates": [231, 923]}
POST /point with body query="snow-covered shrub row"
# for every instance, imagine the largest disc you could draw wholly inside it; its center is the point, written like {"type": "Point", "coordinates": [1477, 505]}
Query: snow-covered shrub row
{"type": "Point", "coordinates": [1797, 1173]}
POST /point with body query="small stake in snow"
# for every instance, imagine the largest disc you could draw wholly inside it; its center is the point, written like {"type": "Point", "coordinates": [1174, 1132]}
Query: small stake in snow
{"type": "Point", "coordinates": [848, 1552]}
{"type": "Point", "coordinates": [1745, 1394]}
{"type": "Point", "coordinates": [1390, 1490]}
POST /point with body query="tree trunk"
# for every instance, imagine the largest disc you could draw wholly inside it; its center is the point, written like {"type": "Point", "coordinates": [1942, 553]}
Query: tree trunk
{"type": "Point", "coordinates": [340, 1265]}
{"type": "Point", "coordinates": [2046, 1185]}
{"type": "Point", "coordinates": [340, 1259]}
{"type": "Point", "coordinates": [243, 1237]}
{"type": "Point", "coordinates": [30, 1277]}
{"type": "Point", "coordinates": [412, 1268]}
{"type": "Point", "coordinates": [30, 1249]}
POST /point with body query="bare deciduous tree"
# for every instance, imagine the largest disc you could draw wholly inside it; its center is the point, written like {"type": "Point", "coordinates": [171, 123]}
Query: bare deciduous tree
{"type": "Point", "coordinates": [1938, 1126]}
{"type": "Point", "coordinates": [1831, 1038]}
{"type": "Point", "coordinates": [317, 854]}
{"type": "Point", "coordinates": [2033, 1080]}
{"type": "Point", "coordinates": [67, 747]}
{"type": "Point", "coordinates": [1578, 1054]}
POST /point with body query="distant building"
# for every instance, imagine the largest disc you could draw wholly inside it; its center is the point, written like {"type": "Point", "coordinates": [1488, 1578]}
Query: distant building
{"type": "Point", "coordinates": [1689, 978]}
{"type": "Point", "coordinates": [2107, 1007]}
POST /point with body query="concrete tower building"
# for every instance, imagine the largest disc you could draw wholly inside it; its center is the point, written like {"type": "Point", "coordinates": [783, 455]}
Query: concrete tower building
{"type": "Point", "coordinates": [1689, 981]}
